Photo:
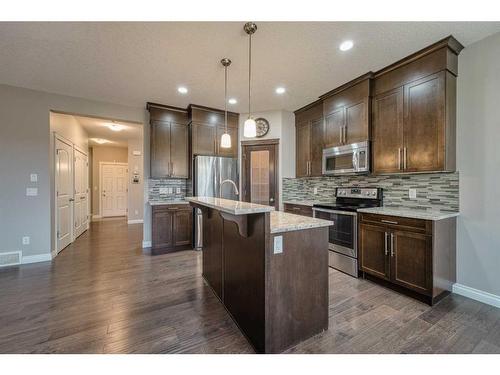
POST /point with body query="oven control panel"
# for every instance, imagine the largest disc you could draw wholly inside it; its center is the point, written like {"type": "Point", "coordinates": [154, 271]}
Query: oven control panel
{"type": "Point", "coordinates": [358, 192]}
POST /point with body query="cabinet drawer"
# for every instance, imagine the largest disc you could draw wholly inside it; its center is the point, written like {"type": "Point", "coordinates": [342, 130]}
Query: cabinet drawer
{"type": "Point", "coordinates": [172, 207]}
{"type": "Point", "coordinates": [298, 209]}
{"type": "Point", "coordinates": [398, 222]}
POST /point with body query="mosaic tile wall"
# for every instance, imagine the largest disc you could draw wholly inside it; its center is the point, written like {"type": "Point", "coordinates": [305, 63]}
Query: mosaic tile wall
{"type": "Point", "coordinates": [154, 185]}
{"type": "Point", "coordinates": [435, 191]}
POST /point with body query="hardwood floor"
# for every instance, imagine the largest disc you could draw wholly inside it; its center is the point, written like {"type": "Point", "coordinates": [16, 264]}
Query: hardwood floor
{"type": "Point", "coordinates": [103, 294]}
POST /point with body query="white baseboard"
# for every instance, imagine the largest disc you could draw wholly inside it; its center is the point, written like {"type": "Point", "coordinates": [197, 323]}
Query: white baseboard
{"type": "Point", "coordinates": [478, 295]}
{"type": "Point", "coordinates": [146, 244]}
{"type": "Point", "coordinates": [37, 258]}
{"type": "Point", "coordinates": [137, 221]}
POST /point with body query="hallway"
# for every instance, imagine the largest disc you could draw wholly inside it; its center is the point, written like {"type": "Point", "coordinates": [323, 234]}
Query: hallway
{"type": "Point", "coordinates": [104, 294]}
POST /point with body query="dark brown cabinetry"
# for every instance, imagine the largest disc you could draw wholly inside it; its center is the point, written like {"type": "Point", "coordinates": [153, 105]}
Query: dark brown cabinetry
{"type": "Point", "coordinates": [412, 254]}
{"type": "Point", "coordinates": [172, 228]}
{"type": "Point", "coordinates": [207, 129]}
{"type": "Point", "coordinates": [414, 107]}
{"type": "Point", "coordinates": [298, 209]}
{"type": "Point", "coordinates": [169, 142]}
{"type": "Point", "coordinates": [309, 128]}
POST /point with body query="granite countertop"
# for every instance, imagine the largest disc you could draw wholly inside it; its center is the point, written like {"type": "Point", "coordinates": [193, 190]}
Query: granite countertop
{"type": "Point", "coordinates": [412, 213]}
{"type": "Point", "coordinates": [285, 222]}
{"type": "Point", "coordinates": [230, 206]}
{"type": "Point", "coordinates": [307, 202]}
{"type": "Point", "coordinates": [163, 203]}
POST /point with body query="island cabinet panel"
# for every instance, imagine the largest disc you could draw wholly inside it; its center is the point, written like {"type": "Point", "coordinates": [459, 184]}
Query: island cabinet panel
{"type": "Point", "coordinates": [412, 255]}
{"type": "Point", "coordinates": [171, 228]}
{"type": "Point", "coordinates": [212, 250]}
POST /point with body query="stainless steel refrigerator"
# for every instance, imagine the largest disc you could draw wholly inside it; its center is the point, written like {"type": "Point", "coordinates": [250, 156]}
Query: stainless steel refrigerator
{"type": "Point", "coordinates": [209, 172]}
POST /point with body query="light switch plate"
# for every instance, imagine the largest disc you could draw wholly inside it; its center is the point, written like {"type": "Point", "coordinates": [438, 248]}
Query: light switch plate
{"type": "Point", "coordinates": [31, 192]}
{"type": "Point", "coordinates": [33, 177]}
{"type": "Point", "coordinates": [136, 153]}
{"type": "Point", "coordinates": [178, 190]}
{"type": "Point", "coordinates": [412, 193]}
{"type": "Point", "coordinates": [26, 240]}
{"type": "Point", "coordinates": [278, 244]}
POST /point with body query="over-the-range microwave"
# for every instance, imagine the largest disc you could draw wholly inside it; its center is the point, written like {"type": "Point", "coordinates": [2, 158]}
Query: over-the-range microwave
{"type": "Point", "coordinates": [347, 159]}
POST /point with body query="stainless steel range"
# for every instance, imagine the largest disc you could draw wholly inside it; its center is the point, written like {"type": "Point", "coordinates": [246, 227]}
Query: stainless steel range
{"type": "Point", "coordinates": [343, 234]}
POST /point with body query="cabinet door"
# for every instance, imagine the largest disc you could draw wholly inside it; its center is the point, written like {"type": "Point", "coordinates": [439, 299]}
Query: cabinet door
{"type": "Point", "coordinates": [183, 227]}
{"type": "Point", "coordinates": [424, 124]}
{"type": "Point", "coordinates": [374, 251]}
{"type": "Point", "coordinates": [160, 149]}
{"type": "Point", "coordinates": [317, 134]}
{"type": "Point", "coordinates": [356, 120]}
{"type": "Point", "coordinates": [179, 150]}
{"type": "Point", "coordinates": [303, 149]}
{"type": "Point", "coordinates": [411, 261]}
{"type": "Point", "coordinates": [204, 138]}
{"type": "Point", "coordinates": [387, 131]}
{"type": "Point", "coordinates": [334, 123]}
{"type": "Point", "coordinates": [233, 150]}
{"type": "Point", "coordinates": [162, 228]}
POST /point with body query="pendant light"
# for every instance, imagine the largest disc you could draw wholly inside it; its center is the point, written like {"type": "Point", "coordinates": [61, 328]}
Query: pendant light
{"type": "Point", "coordinates": [250, 127]}
{"type": "Point", "coordinates": [225, 140]}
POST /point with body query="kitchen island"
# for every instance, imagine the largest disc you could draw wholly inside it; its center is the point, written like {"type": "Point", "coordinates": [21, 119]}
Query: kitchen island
{"type": "Point", "coordinates": [269, 269]}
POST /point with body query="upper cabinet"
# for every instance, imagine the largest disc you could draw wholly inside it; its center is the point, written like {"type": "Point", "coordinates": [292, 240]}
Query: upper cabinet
{"type": "Point", "coordinates": [347, 113]}
{"type": "Point", "coordinates": [414, 109]}
{"type": "Point", "coordinates": [309, 128]}
{"type": "Point", "coordinates": [169, 142]}
{"type": "Point", "coordinates": [207, 129]}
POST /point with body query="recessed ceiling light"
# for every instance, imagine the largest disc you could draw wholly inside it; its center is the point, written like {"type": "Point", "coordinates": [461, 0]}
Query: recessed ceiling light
{"type": "Point", "coordinates": [100, 140]}
{"type": "Point", "coordinates": [280, 90]}
{"type": "Point", "coordinates": [232, 101]}
{"type": "Point", "coordinates": [346, 45]}
{"type": "Point", "coordinates": [115, 127]}
{"type": "Point", "coordinates": [182, 89]}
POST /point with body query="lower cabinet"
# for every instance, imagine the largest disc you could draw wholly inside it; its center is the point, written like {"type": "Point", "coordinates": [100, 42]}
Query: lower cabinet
{"type": "Point", "coordinates": [298, 209]}
{"type": "Point", "coordinates": [172, 228]}
{"type": "Point", "coordinates": [412, 255]}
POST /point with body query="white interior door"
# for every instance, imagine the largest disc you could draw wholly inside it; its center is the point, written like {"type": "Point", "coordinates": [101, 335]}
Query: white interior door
{"type": "Point", "coordinates": [113, 189]}
{"type": "Point", "coordinates": [81, 193]}
{"type": "Point", "coordinates": [64, 192]}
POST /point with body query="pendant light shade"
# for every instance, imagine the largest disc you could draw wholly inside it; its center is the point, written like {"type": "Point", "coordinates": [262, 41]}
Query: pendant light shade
{"type": "Point", "coordinates": [250, 127]}
{"type": "Point", "coordinates": [225, 140]}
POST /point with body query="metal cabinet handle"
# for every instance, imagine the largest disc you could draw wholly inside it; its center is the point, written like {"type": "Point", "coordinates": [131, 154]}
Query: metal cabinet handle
{"type": "Point", "coordinates": [385, 237]}
{"type": "Point", "coordinates": [392, 244]}
{"type": "Point", "coordinates": [404, 157]}
{"type": "Point", "coordinates": [399, 158]}
{"type": "Point", "coordinates": [388, 221]}
{"type": "Point", "coordinates": [71, 199]}
{"type": "Point", "coordinates": [341, 134]}
{"type": "Point", "coordinates": [345, 134]}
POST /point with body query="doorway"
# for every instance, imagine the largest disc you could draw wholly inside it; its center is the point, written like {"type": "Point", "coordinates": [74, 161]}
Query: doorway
{"type": "Point", "coordinates": [260, 171]}
{"type": "Point", "coordinates": [114, 191]}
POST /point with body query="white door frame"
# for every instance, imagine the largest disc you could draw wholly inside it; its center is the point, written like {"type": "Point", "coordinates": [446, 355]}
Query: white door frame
{"type": "Point", "coordinates": [101, 163]}
{"type": "Point", "coordinates": [87, 211]}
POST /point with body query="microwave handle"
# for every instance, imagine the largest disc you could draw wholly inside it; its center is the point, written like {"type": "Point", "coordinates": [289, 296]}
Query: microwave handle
{"type": "Point", "coordinates": [355, 160]}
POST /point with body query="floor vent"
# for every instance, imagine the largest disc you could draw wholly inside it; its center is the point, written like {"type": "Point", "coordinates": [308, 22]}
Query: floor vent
{"type": "Point", "coordinates": [10, 259]}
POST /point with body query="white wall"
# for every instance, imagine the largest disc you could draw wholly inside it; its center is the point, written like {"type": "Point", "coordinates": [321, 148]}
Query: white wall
{"type": "Point", "coordinates": [26, 147]}
{"type": "Point", "coordinates": [69, 127]}
{"type": "Point", "coordinates": [282, 127]}
{"type": "Point", "coordinates": [478, 153]}
{"type": "Point", "coordinates": [135, 191]}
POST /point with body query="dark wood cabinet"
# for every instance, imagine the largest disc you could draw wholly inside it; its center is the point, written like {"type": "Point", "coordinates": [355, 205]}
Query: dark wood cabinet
{"type": "Point", "coordinates": [334, 128]}
{"type": "Point", "coordinates": [298, 209]}
{"type": "Point", "coordinates": [172, 228]}
{"type": "Point", "coordinates": [414, 255]}
{"type": "Point", "coordinates": [169, 142]}
{"type": "Point", "coordinates": [309, 140]}
{"type": "Point", "coordinates": [207, 129]}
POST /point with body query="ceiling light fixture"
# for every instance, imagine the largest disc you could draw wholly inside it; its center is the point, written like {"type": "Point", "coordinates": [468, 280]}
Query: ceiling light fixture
{"type": "Point", "coordinates": [232, 101]}
{"type": "Point", "coordinates": [115, 127]}
{"type": "Point", "coordinates": [280, 90]}
{"type": "Point", "coordinates": [100, 140]}
{"type": "Point", "coordinates": [182, 90]}
{"type": "Point", "coordinates": [346, 45]}
{"type": "Point", "coordinates": [250, 127]}
{"type": "Point", "coordinates": [225, 140]}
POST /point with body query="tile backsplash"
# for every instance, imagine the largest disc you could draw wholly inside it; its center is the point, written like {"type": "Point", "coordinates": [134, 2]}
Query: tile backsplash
{"type": "Point", "coordinates": [154, 185]}
{"type": "Point", "coordinates": [435, 191]}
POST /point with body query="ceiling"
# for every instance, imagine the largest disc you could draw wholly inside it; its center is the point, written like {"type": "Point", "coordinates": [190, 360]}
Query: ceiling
{"type": "Point", "coordinates": [98, 128]}
{"type": "Point", "coordinates": [132, 63]}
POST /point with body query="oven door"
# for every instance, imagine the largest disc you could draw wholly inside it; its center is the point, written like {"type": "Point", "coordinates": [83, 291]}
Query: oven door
{"type": "Point", "coordinates": [343, 234]}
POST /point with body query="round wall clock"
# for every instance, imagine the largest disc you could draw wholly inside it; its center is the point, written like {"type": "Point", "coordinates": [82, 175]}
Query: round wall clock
{"type": "Point", "coordinates": [262, 126]}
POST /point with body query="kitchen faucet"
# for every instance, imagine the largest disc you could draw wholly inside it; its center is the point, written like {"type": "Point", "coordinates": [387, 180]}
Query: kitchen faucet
{"type": "Point", "coordinates": [232, 182]}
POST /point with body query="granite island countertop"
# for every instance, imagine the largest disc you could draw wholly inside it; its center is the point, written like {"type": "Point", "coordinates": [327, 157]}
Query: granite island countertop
{"type": "Point", "coordinates": [412, 213]}
{"type": "Point", "coordinates": [285, 222]}
{"type": "Point", "coordinates": [164, 203]}
{"type": "Point", "coordinates": [308, 203]}
{"type": "Point", "coordinates": [230, 206]}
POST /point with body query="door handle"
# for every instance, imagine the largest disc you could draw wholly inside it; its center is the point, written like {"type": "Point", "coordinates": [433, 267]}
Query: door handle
{"type": "Point", "coordinates": [71, 199]}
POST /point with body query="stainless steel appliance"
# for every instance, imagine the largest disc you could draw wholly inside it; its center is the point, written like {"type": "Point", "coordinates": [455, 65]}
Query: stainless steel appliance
{"type": "Point", "coordinates": [209, 174]}
{"type": "Point", "coordinates": [347, 159]}
{"type": "Point", "coordinates": [343, 234]}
